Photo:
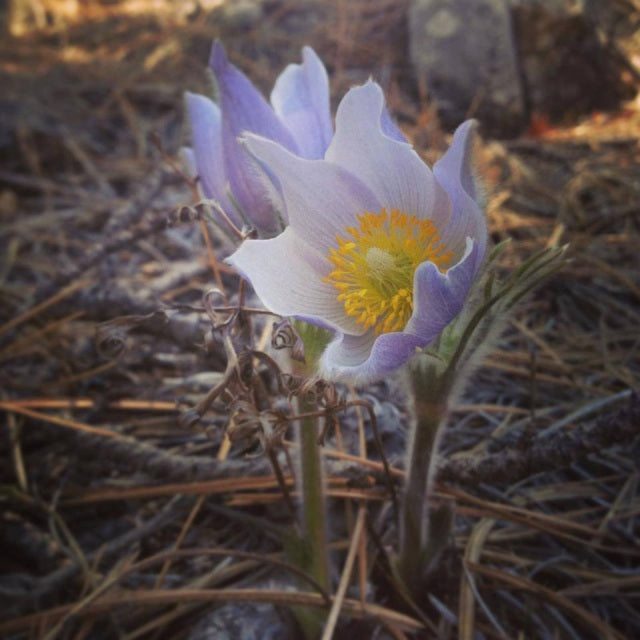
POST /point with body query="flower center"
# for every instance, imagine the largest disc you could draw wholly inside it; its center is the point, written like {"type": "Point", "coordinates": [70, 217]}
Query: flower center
{"type": "Point", "coordinates": [374, 265]}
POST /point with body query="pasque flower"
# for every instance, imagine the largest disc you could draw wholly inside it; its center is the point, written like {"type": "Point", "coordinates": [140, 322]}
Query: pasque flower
{"type": "Point", "coordinates": [298, 118]}
{"type": "Point", "coordinates": [379, 248]}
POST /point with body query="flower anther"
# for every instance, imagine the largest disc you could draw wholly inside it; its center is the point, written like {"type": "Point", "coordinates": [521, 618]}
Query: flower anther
{"type": "Point", "coordinates": [374, 265]}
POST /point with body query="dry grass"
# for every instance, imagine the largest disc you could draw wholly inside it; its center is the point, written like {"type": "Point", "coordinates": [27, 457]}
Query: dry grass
{"type": "Point", "coordinates": [126, 514]}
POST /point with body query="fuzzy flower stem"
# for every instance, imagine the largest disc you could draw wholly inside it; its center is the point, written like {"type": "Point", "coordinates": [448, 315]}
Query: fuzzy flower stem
{"type": "Point", "coordinates": [417, 547]}
{"type": "Point", "coordinates": [314, 545]}
{"type": "Point", "coordinates": [313, 554]}
{"type": "Point", "coordinates": [312, 492]}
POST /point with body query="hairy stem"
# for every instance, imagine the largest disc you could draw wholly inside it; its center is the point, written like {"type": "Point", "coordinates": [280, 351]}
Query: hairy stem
{"type": "Point", "coordinates": [430, 398]}
{"type": "Point", "coordinates": [312, 548]}
{"type": "Point", "coordinates": [312, 491]}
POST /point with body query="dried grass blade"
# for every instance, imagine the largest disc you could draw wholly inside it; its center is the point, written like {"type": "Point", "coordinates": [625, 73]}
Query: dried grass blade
{"type": "Point", "coordinates": [151, 597]}
{"type": "Point", "coordinates": [61, 422]}
{"type": "Point", "coordinates": [580, 614]}
{"type": "Point", "coordinates": [346, 574]}
{"type": "Point", "coordinates": [472, 553]}
{"type": "Point", "coordinates": [45, 304]}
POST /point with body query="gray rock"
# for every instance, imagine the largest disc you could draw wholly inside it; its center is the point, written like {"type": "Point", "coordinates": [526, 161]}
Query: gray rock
{"type": "Point", "coordinates": [503, 60]}
{"type": "Point", "coordinates": [241, 620]}
{"type": "Point", "coordinates": [464, 53]}
{"type": "Point", "coordinates": [247, 620]}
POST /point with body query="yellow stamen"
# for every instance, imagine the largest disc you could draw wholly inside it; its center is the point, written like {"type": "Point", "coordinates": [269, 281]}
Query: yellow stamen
{"type": "Point", "coordinates": [374, 265]}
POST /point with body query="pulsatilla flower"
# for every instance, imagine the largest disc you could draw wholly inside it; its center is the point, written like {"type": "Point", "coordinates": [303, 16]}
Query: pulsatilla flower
{"type": "Point", "coordinates": [298, 118]}
{"type": "Point", "coordinates": [379, 248]}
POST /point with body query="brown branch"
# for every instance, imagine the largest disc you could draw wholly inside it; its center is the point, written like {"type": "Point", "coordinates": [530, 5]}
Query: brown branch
{"type": "Point", "coordinates": [128, 453]}
{"type": "Point", "coordinates": [512, 465]}
{"type": "Point", "coordinates": [559, 450]}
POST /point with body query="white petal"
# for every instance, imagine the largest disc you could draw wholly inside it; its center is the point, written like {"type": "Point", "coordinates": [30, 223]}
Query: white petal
{"type": "Point", "coordinates": [392, 169]}
{"type": "Point", "coordinates": [364, 359]}
{"type": "Point", "coordinates": [287, 275]}
{"type": "Point", "coordinates": [321, 198]}
{"type": "Point", "coordinates": [389, 127]}
{"type": "Point", "coordinates": [455, 174]}
{"type": "Point", "coordinates": [300, 98]}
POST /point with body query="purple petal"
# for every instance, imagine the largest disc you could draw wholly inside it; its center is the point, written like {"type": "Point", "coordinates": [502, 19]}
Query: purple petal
{"type": "Point", "coordinates": [207, 155]}
{"type": "Point", "coordinates": [455, 174]}
{"type": "Point", "coordinates": [244, 109]}
{"type": "Point", "coordinates": [300, 97]}
{"type": "Point", "coordinates": [397, 175]}
{"type": "Point", "coordinates": [363, 359]}
{"type": "Point", "coordinates": [439, 297]}
{"type": "Point", "coordinates": [321, 198]}
{"type": "Point", "coordinates": [389, 127]}
{"type": "Point", "coordinates": [287, 275]}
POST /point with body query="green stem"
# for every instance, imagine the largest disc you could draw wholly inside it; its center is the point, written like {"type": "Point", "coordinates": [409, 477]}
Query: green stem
{"type": "Point", "coordinates": [312, 547]}
{"type": "Point", "coordinates": [311, 479]}
{"type": "Point", "coordinates": [430, 397]}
